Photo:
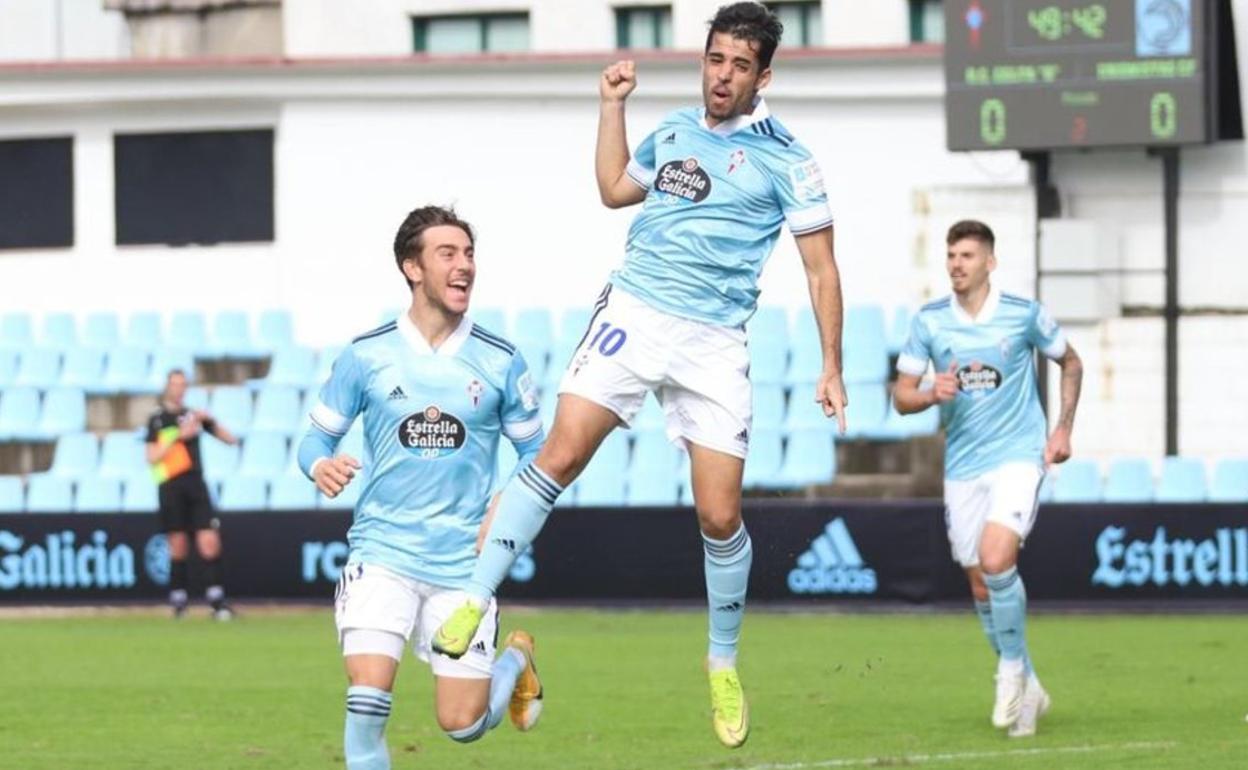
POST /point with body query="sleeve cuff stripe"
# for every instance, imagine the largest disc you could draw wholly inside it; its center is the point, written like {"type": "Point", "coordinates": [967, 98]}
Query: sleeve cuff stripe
{"type": "Point", "coordinates": [810, 228]}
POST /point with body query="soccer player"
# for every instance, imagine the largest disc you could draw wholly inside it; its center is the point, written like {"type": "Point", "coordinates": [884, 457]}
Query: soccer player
{"type": "Point", "coordinates": [173, 452]}
{"type": "Point", "coordinates": [718, 182]}
{"type": "Point", "coordinates": [435, 391]}
{"type": "Point", "coordinates": [982, 342]}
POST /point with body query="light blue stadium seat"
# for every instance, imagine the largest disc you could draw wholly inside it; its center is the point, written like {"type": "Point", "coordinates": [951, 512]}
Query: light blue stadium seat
{"type": "Point", "coordinates": [1045, 495]}
{"type": "Point", "coordinates": [17, 332]}
{"type": "Point", "coordinates": [899, 329]}
{"type": "Point", "coordinates": [166, 360]}
{"type": "Point", "coordinates": [49, 494]}
{"type": "Point", "coordinates": [768, 338]}
{"type": "Point", "coordinates": [868, 409]}
{"type": "Point", "coordinates": [231, 405]}
{"type": "Point", "coordinates": [265, 455]}
{"type": "Point", "coordinates": [64, 411]}
{"type": "Point", "coordinates": [277, 409]}
{"type": "Point", "coordinates": [60, 330]}
{"type": "Point", "coordinates": [865, 344]}
{"type": "Point", "coordinates": [1230, 481]}
{"type": "Point", "coordinates": [143, 330]}
{"type": "Point", "coordinates": [139, 495]}
{"type": "Point", "coordinates": [197, 398]}
{"type": "Point", "coordinates": [19, 413]}
{"type": "Point", "coordinates": [244, 493]}
{"type": "Point", "coordinates": [39, 368]}
{"type": "Point", "coordinates": [653, 491]}
{"type": "Point", "coordinates": [123, 456]}
{"type": "Point", "coordinates": [809, 458]}
{"type": "Point", "coordinates": [292, 492]}
{"type": "Point", "coordinates": [12, 494]}
{"type": "Point", "coordinates": [8, 367]}
{"type": "Point", "coordinates": [346, 499]}
{"type": "Point", "coordinates": [1078, 481]}
{"type": "Point", "coordinates": [534, 334]}
{"type": "Point", "coordinates": [1182, 481]}
{"type": "Point", "coordinates": [97, 495]}
{"type": "Point", "coordinates": [275, 330]}
{"type": "Point", "coordinates": [656, 470]}
{"type": "Point", "coordinates": [127, 370]}
{"type": "Point", "coordinates": [650, 416]}
{"type": "Point", "coordinates": [291, 365]}
{"type": "Point", "coordinates": [769, 323]}
{"type": "Point", "coordinates": [765, 458]}
{"type": "Point", "coordinates": [188, 330]}
{"type": "Point", "coordinates": [102, 330]}
{"type": "Point", "coordinates": [604, 480]}
{"type": "Point", "coordinates": [325, 364]}
{"type": "Point", "coordinates": [219, 458]}
{"type": "Point", "coordinates": [492, 319]}
{"type": "Point", "coordinates": [84, 368]}
{"type": "Point", "coordinates": [769, 406]}
{"type": "Point", "coordinates": [1130, 480]}
{"type": "Point", "coordinates": [231, 336]}
{"type": "Point", "coordinates": [898, 427]}
{"type": "Point", "coordinates": [805, 351]}
{"type": "Point", "coordinates": [572, 325]}
{"type": "Point", "coordinates": [77, 455]}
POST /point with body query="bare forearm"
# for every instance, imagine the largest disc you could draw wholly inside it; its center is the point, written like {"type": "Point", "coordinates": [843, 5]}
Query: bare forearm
{"type": "Point", "coordinates": [909, 399]}
{"type": "Point", "coordinates": [1072, 383]}
{"type": "Point", "coordinates": [611, 155]}
{"type": "Point", "coordinates": [825, 298]}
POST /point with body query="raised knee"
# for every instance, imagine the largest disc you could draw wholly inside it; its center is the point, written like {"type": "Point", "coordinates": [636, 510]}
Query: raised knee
{"type": "Point", "coordinates": [462, 726]}
{"type": "Point", "coordinates": [995, 564]}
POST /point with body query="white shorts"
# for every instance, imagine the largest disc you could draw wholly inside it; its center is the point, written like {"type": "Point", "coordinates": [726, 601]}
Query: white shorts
{"type": "Point", "coordinates": [372, 598]}
{"type": "Point", "coordinates": [1005, 496]}
{"type": "Point", "coordinates": [698, 371]}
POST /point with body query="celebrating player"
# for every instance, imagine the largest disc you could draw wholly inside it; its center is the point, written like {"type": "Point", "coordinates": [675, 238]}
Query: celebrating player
{"type": "Point", "coordinates": [981, 342]}
{"type": "Point", "coordinates": [718, 183]}
{"type": "Point", "coordinates": [435, 391]}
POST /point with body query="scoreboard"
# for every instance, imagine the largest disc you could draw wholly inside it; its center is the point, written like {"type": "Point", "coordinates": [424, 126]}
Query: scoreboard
{"type": "Point", "coordinates": [1045, 74]}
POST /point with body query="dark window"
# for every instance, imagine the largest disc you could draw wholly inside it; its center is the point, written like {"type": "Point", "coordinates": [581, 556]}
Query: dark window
{"type": "Point", "coordinates": [643, 27]}
{"type": "Point", "coordinates": [927, 21]}
{"type": "Point", "coordinates": [36, 193]}
{"type": "Point", "coordinates": [803, 23]}
{"type": "Point", "coordinates": [467, 34]}
{"type": "Point", "coordinates": [195, 187]}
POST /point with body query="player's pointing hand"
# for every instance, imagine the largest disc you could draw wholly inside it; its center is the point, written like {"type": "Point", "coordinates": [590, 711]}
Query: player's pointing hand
{"type": "Point", "coordinates": [333, 474]}
{"type": "Point", "coordinates": [618, 81]}
{"type": "Point", "coordinates": [830, 394]}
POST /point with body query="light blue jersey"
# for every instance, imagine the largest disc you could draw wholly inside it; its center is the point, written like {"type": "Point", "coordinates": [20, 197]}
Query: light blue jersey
{"type": "Point", "coordinates": [996, 416]}
{"type": "Point", "coordinates": [716, 200]}
{"type": "Point", "coordinates": [432, 421]}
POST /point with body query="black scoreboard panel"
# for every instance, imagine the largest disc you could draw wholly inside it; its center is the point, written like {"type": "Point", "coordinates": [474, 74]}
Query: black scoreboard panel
{"type": "Point", "coordinates": [1044, 74]}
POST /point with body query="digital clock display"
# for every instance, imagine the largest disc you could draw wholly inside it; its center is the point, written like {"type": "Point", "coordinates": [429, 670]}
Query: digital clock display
{"type": "Point", "coordinates": [1042, 74]}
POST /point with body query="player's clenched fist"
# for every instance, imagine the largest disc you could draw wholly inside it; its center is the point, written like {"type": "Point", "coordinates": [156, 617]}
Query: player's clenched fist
{"type": "Point", "coordinates": [618, 81]}
{"type": "Point", "coordinates": [334, 473]}
{"type": "Point", "coordinates": [945, 386]}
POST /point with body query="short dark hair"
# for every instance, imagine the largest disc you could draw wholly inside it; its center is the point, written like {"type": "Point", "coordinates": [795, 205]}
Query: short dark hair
{"type": "Point", "coordinates": [749, 21]}
{"type": "Point", "coordinates": [409, 241]}
{"type": "Point", "coordinates": [971, 228]}
{"type": "Point", "coordinates": [174, 372]}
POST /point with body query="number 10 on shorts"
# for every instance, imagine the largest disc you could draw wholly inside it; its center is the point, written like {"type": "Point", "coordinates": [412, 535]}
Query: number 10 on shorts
{"type": "Point", "coordinates": [607, 339]}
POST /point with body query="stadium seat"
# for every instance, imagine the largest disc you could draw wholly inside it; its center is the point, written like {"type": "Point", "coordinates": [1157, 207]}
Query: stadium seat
{"type": "Point", "coordinates": [899, 329]}
{"type": "Point", "coordinates": [127, 370]}
{"type": "Point", "coordinates": [77, 455]}
{"type": "Point", "coordinates": [653, 491]}
{"type": "Point", "coordinates": [604, 480]}
{"type": "Point", "coordinates": [865, 345]}
{"type": "Point", "coordinates": [291, 365]}
{"type": "Point", "coordinates": [139, 495]}
{"type": "Point", "coordinates": [123, 456]}
{"type": "Point", "coordinates": [60, 330]}
{"type": "Point", "coordinates": [49, 494]}
{"type": "Point", "coordinates": [39, 368]}
{"type": "Point", "coordinates": [325, 364]}
{"type": "Point", "coordinates": [810, 458]}
{"type": "Point", "coordinates": [8, 367]}
{"type": "Point", "coordinates": [898, 426]}
{"type": "Point", "coordinates": [765, 458]}
{"type": "Point", "coordinates": [197, 398]}
{"type": "Point", "coordinates": [12, 495]}
{"type": "Point", "coordinates": [534, 334]}
{"type": "Point", "coordinates": [275, 330]}
{"type": "Point", "coordinates": [492, 319]}
{"type": "Point", "coordinates": [220, 460]}
{"type": "Point", "coordinates": [768, 338]}
{"type": "Point", "coordinates": [769, 406]}
{"type": "Point", "coordinates": [231, 336]}
{"type": "Point", "coordinates": [101, 331]}
{"type": "Point", "coordinates": [806, 353]}
{"type": "Point", "coordinates": [770, 323]}
{"type": "Point", "coordinates": [16, 331]}
{"type": "Point", "coordinates": [1182, 481]}
{"type": "Point", "coordinates": [868, 409]}
{"type": "Point", "coordinates": [650, 416]}
{"type": "Point", "coordinates": [19, 413]}
{"type": "Point", "coordinates": [292, 492]}
{"type": "Point", "coordinates": [656, 470]}
{"type": "Point", "coordinates": [1045, 495]}
{"type": "Point", "coordinates": [265, 455]}
{"type": "Point", "coordinates": [244, 493]}
{"type": "Point", "coordinates": [143, 330]}
{"type": "Point", "coordinates": [1130, 480]}
{"type": "Point", "coordinates": [64, 411]}
{"type": "Point", "coordinates": [84, 368]}
{"type": "Point", "coordinates": [96, 495]}
{"type": "Point", "coordinates": [572, 326]}
{"type": "Point", "coordinates": [166, 360]}
{"type": "Point", "coordinates": [231, 405]}
{"type": "Point", "coordinates": [1078, 481]}
{"type": "Point", "coordinates": [188, 330]}
{"type": "Point", "coordinates": [277, 409]}
{"type": "Point", "coordinates": [1230, 481]}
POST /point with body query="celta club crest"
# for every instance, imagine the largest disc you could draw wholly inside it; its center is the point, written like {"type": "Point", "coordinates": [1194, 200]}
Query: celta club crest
{"type": "Point", "coordinates": [736, 161]}
{"type": "Point", "coordinates": [475, 389]}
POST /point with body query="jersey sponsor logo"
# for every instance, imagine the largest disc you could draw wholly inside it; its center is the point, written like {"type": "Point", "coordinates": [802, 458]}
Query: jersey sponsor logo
{"type": "Point", "coordinates": [832, 565]}
{"type": "Point", "coordinates": [683, 179]}
{"type": "Point", "coordinates": [736, 160]}
{"type": "Point", "coordinates": [61, 562]}
{"type": "Point", "coordinates": [1221, 560]}
{"type": "Point", "coordinates": [978, 379]}
{"type": "Point", "coordinates": [807, 180]}
{"type": "Point", "coordinates": [432, 433]}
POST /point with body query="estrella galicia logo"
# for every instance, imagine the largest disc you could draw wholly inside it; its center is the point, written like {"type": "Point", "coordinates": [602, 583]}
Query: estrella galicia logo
{"type": "Point", "coordinates": [832, 565]}
{"type": "Point", "coordinates": [684, 179]}
{"type": "Point", "coordinates": [1221, 560]}
{"type": "Point", "coordinates": [978, 379]}
{"type": "Point", "coordinates": [156, 559]}
{"type": "Point", "coordinates": [523, 568]}
{"type": "Point", "coordinates": [432, 433]}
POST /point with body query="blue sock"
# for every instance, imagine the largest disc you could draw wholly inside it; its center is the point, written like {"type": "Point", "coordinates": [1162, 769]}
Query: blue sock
{"type": "Point", "coordinates": [727, 565]}
{"type": "Point", "coordinates": [503, 678]}
{"type": "Point", "coordinates": [364, 740]}
{"type": "Point", "coordinates": [984, 611]}
{"type": "Point", "coordinates": [522, 510]}
{"type": "Point", "coordinates": [1009, 613]}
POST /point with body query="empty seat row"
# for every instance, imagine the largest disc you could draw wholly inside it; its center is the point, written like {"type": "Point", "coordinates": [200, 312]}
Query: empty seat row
{"type": "Point", "coordinates": [1131, 480]}
{"type": "Point", "coordinates": [26, 414]}
{"type": "Point", "coordinates": [98, 372]}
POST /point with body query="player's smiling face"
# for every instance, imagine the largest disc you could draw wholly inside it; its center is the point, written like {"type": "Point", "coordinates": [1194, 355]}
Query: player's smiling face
{"type": "Point", "coordinates": [969, 262]}
{"type": "Point", "coordinates": [731, 77]}
{"type": "Point", "coordinates": [445, 271]}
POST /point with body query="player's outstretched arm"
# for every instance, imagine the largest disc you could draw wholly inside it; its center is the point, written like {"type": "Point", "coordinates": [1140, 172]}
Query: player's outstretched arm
{"type": "Point", "coordinates": [824, 280]}
{"type": "Point", "coordinates": [611, 155]}
{"type": "Point", "coordinates": [1058, 448]}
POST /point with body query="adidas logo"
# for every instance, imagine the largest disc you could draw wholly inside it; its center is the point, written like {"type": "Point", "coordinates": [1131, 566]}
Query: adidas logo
{"type": "Point", "coordinates": [729, 607]}
{"type": "Point", "coordinates": [479, 647]}
{"type": "Point", "coordinates": [397, 394]}
{"type": "Point", "coordinates": [743, 436]}
{"type": "Point", "coordinates": [832, 565]}
{"type": "Point", "coordinates": [670, 138]}
{"type": "Point", "coordinates": [510, 545]}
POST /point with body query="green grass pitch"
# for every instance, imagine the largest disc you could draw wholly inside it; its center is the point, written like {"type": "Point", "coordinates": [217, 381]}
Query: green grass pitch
{"type": "Point", "coordinates": [625, 689]}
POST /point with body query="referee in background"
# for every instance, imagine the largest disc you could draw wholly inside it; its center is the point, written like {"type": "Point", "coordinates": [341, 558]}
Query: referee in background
{"type": "Point", "coordinates": [185, 506]}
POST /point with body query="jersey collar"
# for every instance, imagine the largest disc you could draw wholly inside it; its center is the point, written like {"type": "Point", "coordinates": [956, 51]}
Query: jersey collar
{"type": "Point", "coordinates": [728, 127]}
{"type": "Point", "coordinates": [985, 313]}
{"type": "Point", "coordinates": [449, 347]}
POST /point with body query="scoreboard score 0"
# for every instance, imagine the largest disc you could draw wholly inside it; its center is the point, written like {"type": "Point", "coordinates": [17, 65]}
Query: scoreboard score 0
{"type": "Point", "coordinates": [1046, 74]}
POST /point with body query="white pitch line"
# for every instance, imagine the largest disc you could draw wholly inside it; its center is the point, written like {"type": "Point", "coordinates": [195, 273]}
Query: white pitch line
{"type": "Point", "coordinates": [915, 759]}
